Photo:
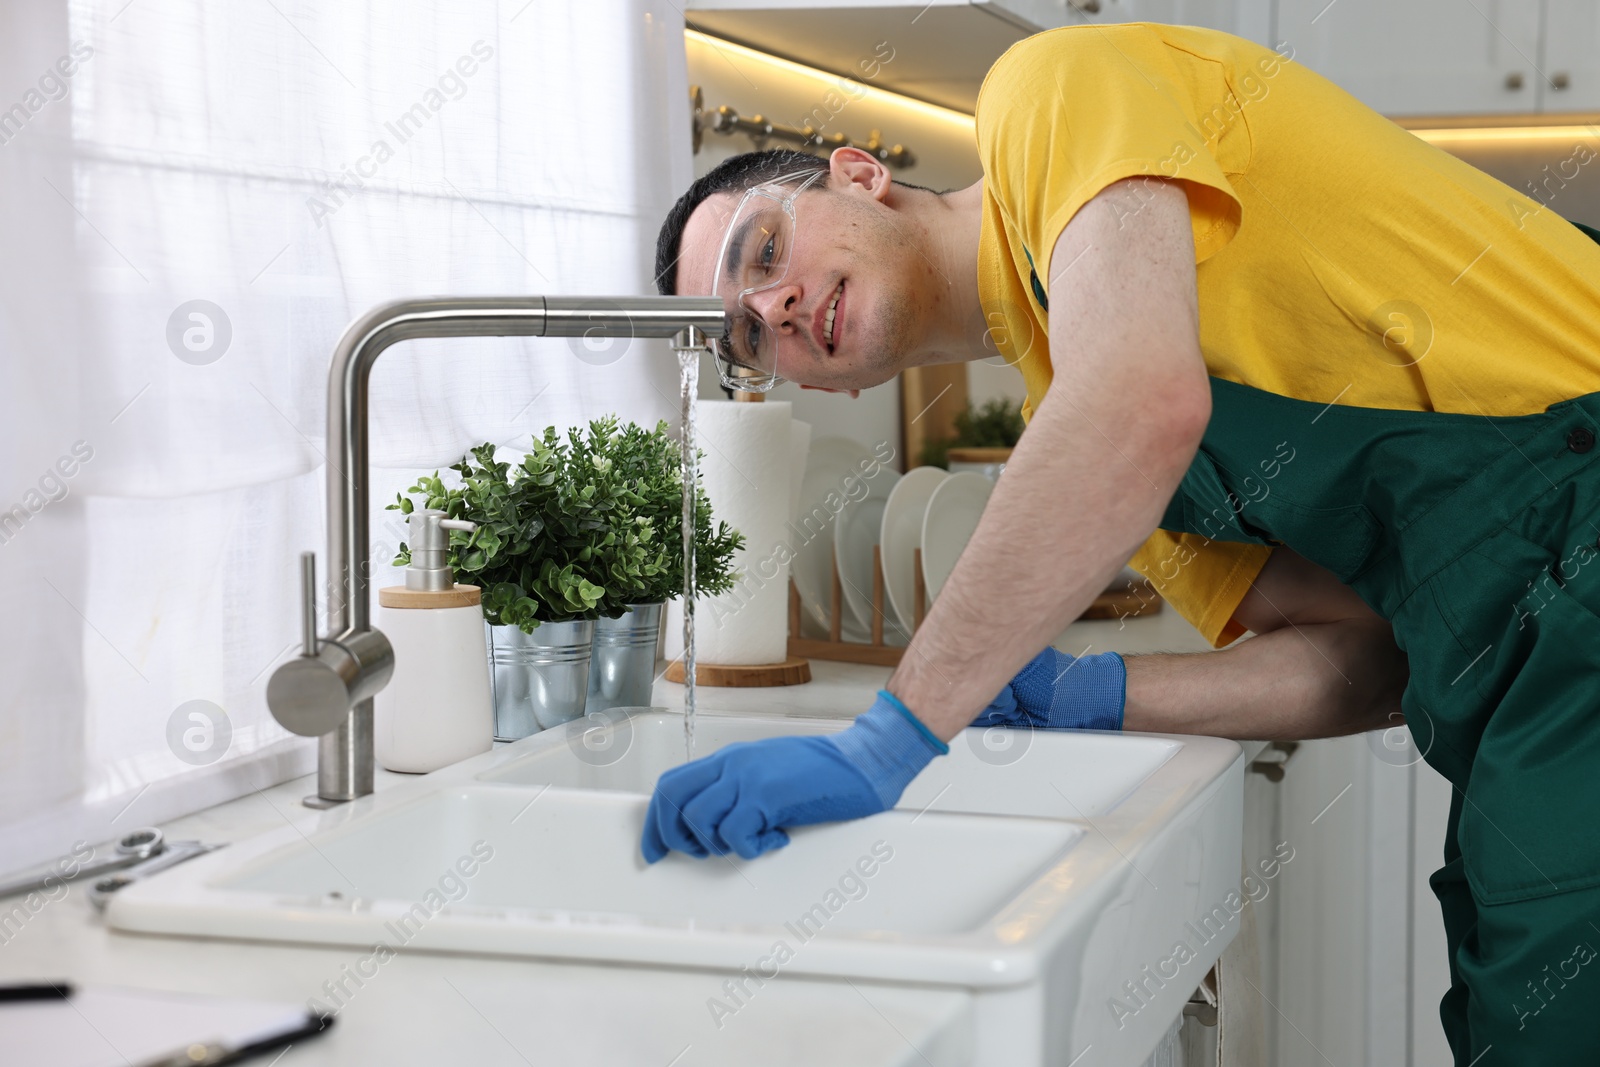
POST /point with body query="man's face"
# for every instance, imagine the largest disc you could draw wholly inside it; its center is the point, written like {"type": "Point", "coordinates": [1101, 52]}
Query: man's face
{"type": "Point", "coordinates": [845, 242]}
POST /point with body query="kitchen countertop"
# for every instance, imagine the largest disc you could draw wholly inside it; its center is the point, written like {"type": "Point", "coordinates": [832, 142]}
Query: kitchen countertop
{"type": "Point", "coordinates": [430, 1008]}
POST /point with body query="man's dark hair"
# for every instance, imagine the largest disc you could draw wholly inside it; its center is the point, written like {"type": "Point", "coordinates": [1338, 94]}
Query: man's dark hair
{"type": "Point", "coordinates": [733, 175]}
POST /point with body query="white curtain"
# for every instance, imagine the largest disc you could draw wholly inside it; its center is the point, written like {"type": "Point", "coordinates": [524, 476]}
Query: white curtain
{"type": "Point", "coordinates": [289, 164]}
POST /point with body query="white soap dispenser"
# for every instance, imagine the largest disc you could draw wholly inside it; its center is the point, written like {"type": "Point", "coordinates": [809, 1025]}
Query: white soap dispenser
{"type": "Point", "coordinates": [436, 709]}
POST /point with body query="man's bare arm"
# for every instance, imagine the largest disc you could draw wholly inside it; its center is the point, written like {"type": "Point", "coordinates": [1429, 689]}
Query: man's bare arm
{"type": "Point", "coordinates": [1102, 456]}
{"type": "Point", "coordinates": [1322, 664]}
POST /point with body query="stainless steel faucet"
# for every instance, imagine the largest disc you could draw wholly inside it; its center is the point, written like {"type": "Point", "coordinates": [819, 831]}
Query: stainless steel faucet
{"type": "Point", "coordinates": [326, 692]}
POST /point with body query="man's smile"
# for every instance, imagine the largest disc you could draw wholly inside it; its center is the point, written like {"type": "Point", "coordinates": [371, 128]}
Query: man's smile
{"type": "Point", "coordinates": [832, 319]}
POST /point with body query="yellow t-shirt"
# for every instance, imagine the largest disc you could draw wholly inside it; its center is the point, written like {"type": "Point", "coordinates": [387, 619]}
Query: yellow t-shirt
{"type": "Point", "coordinates": [1339, 258]}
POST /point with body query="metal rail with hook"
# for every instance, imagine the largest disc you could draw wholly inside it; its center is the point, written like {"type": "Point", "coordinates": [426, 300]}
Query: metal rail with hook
{"type": "Point", "coordinates": [725, 120]}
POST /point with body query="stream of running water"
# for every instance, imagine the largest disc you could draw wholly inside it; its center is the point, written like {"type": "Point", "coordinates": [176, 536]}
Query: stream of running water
{"type": "Point", "coordinates": [689, 389]}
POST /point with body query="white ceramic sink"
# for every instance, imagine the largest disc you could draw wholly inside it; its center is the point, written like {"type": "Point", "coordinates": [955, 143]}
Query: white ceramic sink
{"type": "Point", "coordinates": [577, 854]}
{"type": "Point", "coordinates": [988, 772]}
{"type": "Point", "coordinates": [1039, 871]}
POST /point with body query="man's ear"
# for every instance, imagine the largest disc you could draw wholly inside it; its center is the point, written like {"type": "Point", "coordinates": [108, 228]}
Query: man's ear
{"type": "Point", "coordinates": [850, 166]}
{"type": "Point", "coordinates": [824, 389]}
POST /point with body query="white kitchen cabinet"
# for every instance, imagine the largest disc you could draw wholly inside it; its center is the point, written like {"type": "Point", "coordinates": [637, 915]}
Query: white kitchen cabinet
{"type": "Point", "coordinates": [1359, 940]}
{"type": "Point", "coordinates": [1243, 17]}
{"type": "Point", "coordinates": [1452, 57]}
{"type": "Point", "coordinates": [943, 48]}
{"type": "Point", "coordinates": [1571, 58]}
{"type": "Point", "coordinates": [1422, 57]}
{"type": "Point", "coordinates": [1247, 18]}
{"type": "Point", "coordinates": [1264, 850]}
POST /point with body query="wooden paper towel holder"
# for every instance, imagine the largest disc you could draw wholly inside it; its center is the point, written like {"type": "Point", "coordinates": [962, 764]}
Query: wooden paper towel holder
{"type": "Point", "coordinates": [792, 671]}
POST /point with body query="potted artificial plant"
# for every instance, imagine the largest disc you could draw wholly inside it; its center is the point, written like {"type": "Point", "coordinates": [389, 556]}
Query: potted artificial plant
{"type": "Point", "coordinates": [567, 536]}
{"type": "Point", "coordinates": [559, 538]}
{"type": "Point", "coordinates": [984, 438]}
{"type": "Point", "coordinates": [622, 664]}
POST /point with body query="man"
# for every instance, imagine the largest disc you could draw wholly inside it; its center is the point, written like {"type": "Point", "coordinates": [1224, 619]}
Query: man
{"type": "Point", "coordinates": [1321, 381]}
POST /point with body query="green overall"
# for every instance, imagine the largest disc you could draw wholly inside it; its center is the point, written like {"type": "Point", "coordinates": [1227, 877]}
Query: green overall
{"type": "Point", "coordinates": [1476, 537]}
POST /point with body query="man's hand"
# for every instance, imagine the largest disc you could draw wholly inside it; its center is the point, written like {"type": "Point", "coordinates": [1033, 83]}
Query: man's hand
{"type": "Point", "coordinates": [740, 798]}
{"type": "Point", "coordinates": [1056, 691]}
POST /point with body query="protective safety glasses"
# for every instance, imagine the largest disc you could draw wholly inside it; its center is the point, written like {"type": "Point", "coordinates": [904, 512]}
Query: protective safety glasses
{"type": "Point", "coordinates": [755, 256]}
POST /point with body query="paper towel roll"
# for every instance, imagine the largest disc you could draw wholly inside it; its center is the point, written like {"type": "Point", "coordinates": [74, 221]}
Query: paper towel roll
{"type": "Point", "coordinates": [746, 472]}
{"type": "Point", "coordinates": [799, 452]}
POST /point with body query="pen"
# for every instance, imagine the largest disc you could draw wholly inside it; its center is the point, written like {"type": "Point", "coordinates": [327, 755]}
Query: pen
{"type": "Point", "coordinates": [36, 991]}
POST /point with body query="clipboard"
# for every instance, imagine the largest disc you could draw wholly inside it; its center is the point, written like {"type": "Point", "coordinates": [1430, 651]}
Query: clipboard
{"type": "Point", "coordinates": [57, 1025]}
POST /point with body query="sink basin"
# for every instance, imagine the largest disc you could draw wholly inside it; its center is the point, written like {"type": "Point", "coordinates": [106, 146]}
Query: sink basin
{"type": "Point", "coordinates": [1040, 872]}
{"type": "Point", "coordinates": [988, 772]}
{"type": "Point", "coordinates": [576, 856]}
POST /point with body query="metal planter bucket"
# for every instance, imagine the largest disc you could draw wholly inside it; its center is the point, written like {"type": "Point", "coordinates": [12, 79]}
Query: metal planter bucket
{"type": "Point", "coordinates": [539, 680]}
{"type": "Point", "coordinates": [623, 664]}
{"type": "Point", "coordinates": [989, 462]}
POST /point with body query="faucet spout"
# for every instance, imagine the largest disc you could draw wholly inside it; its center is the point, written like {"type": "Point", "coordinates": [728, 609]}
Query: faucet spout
{"type": "Point", "coordinates": [355, 660]}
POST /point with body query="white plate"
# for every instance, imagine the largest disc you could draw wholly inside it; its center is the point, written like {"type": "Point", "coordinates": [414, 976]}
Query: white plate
{"type": "Point", "coordinates": [831, 462]}
{"type": "Point", "coordinates": [901, 536]}
{"type": "Point", "coordinates": [854, 535]}
{"type": "Point", "coordinates": [953, 514]}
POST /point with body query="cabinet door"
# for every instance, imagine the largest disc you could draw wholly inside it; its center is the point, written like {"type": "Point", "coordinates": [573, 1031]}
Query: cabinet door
{"type": "Point", "coordinates": [1571, 62]}
{"type": "Point", "coordinates": [1213, 14]}
{"type": "Point", "coordinates": [1422, 57]}
{"type": "Point", "coordinates": [1234, 16]}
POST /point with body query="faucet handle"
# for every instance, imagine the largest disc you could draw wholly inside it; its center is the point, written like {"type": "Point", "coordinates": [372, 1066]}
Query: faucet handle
{"type": "Point", "coordinates": [312, 694]}
{"type": "Point", "coordinates": [308, 603]}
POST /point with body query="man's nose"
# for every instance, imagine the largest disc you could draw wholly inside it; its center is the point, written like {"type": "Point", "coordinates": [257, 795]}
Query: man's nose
{"type": "Point", "coordinates": [776, 307]}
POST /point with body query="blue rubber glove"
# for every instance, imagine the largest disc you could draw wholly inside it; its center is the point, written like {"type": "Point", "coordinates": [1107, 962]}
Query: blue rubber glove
{"type": "Point", "coordinates": [1056, 691]}
{"type": "Point", "coordinates": [739, 798]}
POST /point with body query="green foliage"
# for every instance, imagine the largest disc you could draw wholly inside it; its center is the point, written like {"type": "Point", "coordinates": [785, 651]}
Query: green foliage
{"type": "Point", "coordinates": [936, 452]}
{"type": "Point", "coordinates": [580, 529]}
{"type": "Point", "coordinates": [651, 461]}
{"type": "Point", "coordinates": [997, 424]}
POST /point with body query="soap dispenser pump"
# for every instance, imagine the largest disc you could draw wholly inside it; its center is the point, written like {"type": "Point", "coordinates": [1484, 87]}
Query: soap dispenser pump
{"type": "Point", "coordinates": [437, 709]}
